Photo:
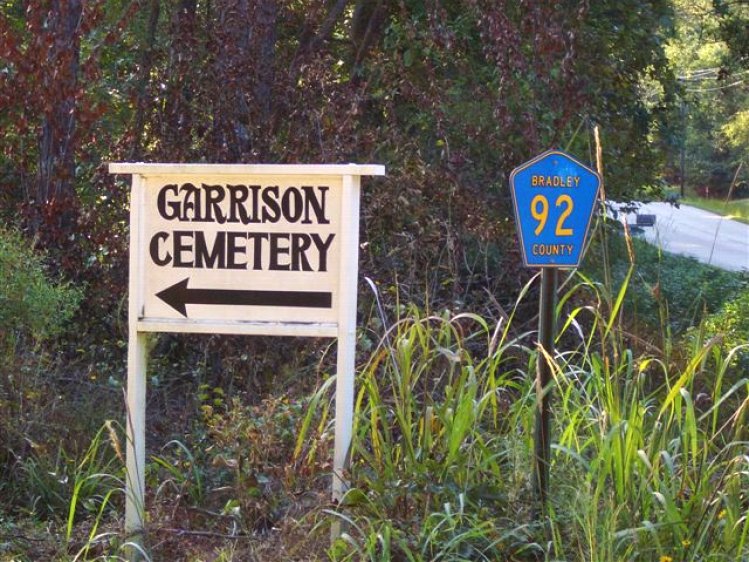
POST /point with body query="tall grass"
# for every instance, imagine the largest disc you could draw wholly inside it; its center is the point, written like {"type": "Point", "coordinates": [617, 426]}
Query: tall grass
{"type": "Point", "coordinates": [431, 465]}
{"type": "Point", "coordinates": [666, 467]}
{"type": "Point", "coordinates": [84, 492]}
{"type": "Point", "coordinates": [646, 463]}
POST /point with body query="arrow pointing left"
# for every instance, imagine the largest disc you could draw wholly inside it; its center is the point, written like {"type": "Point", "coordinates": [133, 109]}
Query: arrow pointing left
{"type": "Point", "coordinates": [178, 296]}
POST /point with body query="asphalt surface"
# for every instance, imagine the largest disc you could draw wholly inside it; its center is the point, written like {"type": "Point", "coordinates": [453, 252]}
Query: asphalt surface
{"type": "Point", "coordinates": [710, 238]}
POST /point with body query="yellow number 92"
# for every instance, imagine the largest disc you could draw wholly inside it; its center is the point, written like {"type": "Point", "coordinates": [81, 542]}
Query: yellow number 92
{"type": "Point", "coordinates": [540, 212]}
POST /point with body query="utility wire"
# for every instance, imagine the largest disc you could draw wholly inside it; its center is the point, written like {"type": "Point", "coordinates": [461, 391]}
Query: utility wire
{"type": "Point", "coordinates": [716, 88]}
{"type": "Point", "coordinates": [707, 74]}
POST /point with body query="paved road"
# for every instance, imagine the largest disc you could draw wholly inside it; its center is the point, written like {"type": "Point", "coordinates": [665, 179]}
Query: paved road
{"type": "Point", "coordinates": [710, 238]}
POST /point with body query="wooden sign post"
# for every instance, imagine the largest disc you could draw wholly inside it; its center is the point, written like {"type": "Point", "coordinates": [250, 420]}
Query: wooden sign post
{"type": "Point", "coordinates": [241, 249]}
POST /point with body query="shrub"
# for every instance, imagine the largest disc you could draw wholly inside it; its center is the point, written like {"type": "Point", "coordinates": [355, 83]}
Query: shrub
{"type": "Point", "coordinates": [667, 291]}
{"type": "Point", "coordinates": [32, 303]}
{"type": "Point", "coordinates": [730, 327]}
{"type": "Point", "coordinates": [33, 308]}
{"type": "Point", "coordinates": [731, 322]}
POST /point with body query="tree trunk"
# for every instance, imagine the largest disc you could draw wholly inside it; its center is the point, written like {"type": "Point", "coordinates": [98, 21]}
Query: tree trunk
{"type": "Point", "coordinates": [366, 26]}
{"type": "Point", "coordinates": [145, 76]}
{"type": "Point", "coordinates": [55, 192]}
{"type": "Point", "coordinates": [232, 64]}
{"type": "Point", "coordinates": [310, 41]}
{"type": "Point", "coordinates": [265, 32]}
{"type": "Point", "coordinates": [177, 124]}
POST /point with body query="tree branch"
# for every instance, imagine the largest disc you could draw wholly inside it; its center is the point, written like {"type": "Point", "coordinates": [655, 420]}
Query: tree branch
{"type": "Point", "coordinates": [309, 42]}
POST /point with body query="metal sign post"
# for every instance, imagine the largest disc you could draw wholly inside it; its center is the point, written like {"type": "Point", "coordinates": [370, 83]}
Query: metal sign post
{"type": "Point", "coordinates": [542, 434]}
{"type": "Point", "coordinates": [241, 249]}
{"type": "Point", "coordinates": [554, 196]}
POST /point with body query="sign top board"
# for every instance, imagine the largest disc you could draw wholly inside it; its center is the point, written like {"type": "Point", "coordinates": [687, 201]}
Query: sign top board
{"type": "Point", "coordinates": [554, 196]}
{"type": "Point", "coordinates": [155, 169]}
{"type": "Point", "coordinates": [237, 248]}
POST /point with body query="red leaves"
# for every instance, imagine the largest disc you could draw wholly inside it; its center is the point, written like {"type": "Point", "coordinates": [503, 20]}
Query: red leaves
{"type": "Point", "coordinates": [51, 109]}
{"type": "Point", "coordinates": [534, 46]}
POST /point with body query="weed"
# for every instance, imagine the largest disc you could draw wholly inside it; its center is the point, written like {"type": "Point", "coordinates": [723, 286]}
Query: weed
{"type": "Point", "coordinates": [641, 468]}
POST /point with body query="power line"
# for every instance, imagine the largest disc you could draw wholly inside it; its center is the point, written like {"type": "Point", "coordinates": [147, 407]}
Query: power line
{"type": "Point", "coordinates": [703, 74]}
{"type": "Point", "coordinates": [716, 88]}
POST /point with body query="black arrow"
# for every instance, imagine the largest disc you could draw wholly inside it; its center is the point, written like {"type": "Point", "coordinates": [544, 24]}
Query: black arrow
{"type": "Point", "coordinates": [178, 296]}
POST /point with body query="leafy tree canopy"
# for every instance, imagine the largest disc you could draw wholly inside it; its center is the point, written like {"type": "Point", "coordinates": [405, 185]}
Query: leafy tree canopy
{"type": "Point", "coordinates": [451, 95]}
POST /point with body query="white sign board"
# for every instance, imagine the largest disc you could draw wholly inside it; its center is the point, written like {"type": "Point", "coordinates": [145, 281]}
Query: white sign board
{"type": "Point", "coordinates": [241, 249]}
{"type": "Point", "coordinates": [266, 249]}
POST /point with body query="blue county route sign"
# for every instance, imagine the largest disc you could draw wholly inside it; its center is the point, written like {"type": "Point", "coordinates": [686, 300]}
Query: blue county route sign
{"type": "Point", "coordinates": [554, 197]}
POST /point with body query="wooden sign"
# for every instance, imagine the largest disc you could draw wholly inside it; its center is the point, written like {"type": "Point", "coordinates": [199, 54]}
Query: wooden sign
{"type": "Point", "coordinates": [241, 249]}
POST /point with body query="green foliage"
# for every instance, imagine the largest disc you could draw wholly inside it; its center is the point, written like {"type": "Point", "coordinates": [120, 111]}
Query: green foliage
{"type": "Point", "coordinates": [644, 466]}
{"type": "Point", "coordinates": [434, 474]}
{"type": "Point", "coordinates": [61, 483]}
{"type": "Point", "coordinates": [647, 460]}
{"type": "Point", "coordinates": [180, 470]}
{"type": "Point", "coordinates": [71, 502]}
{"type": "Point", "coordinates": [32, 303]}
{"type": "Point", "coordinates": [451, 96]}
{"type": "Point", "coordinates": [632, 95]}
{"type": "Point", "coordinates": [649, 456]}
{"type": "Point", "coordinates": [729, 329]}
{"type": "Point", "coordinates": [33, 309]}
{"type": "Point", "coordinates": [734, 18]}
{"type": "Point", "coordinates": [709, 131]}
{"type": "Point", "coordinates": [260, 457]}
{"type": "Point", "coordinates": [736, 131]}
{"type": "Point", "coordinates": [731, 323]}
{"type": "Point", "coordinates": [667, 291]}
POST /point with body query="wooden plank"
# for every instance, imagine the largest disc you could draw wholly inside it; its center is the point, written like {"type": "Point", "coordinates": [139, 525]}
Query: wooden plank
{"type": "Point", "coordinates": [148, 169]}
{"type": "Point", "coordinates": [346, 360]}
{"type": "Point", "coordinates": [326, 330]}
{"type": "Point", "coordinates": [136, 381]}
